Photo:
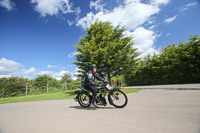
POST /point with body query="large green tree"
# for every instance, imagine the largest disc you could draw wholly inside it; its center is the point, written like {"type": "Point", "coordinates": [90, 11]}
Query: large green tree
{"type": "Point", "coordinates": [108, 47]}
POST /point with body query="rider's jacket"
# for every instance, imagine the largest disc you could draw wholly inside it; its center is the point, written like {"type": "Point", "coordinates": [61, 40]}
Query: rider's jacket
{"type": "Point", "coordinates": [90, 78]}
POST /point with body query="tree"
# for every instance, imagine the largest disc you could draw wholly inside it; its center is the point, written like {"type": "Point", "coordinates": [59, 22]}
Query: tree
{"type": "Point", "coordinates": [67, 77]}
{"type": "Point", "coordinates": [107, 46]}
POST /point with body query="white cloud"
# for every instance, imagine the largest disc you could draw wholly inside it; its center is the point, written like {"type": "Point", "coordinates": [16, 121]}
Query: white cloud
{"type": "Point", "coordinates": [70, 23]}
{"type": "Point", "coordinates": [8, 4]}
{"type": "Point", "coordinates": [191, 4]}
{"type": "Point", "coordinates": [63, 68]}
{"type": "Point", "coordinates": [56, 75]}
{"type": "Point", "coordinates": [167, 34]}
{"type": "Point", "coordinates": [60, 74]}
{"type": "Point", "coordinates": [97, 5]}
{"type": "Point", "coordinates": [51, 66]}
{"type": "Point", "coordinates": [169, 20]}
{"type": "Point", "coordinates": [45, 72]}
{"type": "Point", "coordinates": [69, 65]}
{"type": "Point", "coordinates": [78, 10]}
{"type": "Point", "coordinates": [9, 67]}
{"type": "Point", "coordinates": [72, 54]}
{"type": "Point", "coordinates": [160, 2]}
{"type": "Point", "coordinates": [6, 76]}
{"type": "Point", "coordinates": [30, 72]}
{"type": "Point", "coordinates": [144, 40]}
{"type": "Point", "coordinates": [188, 5]}
{"type": "Point", "coordinates": [77, 13]}
{"type": "Point", "coordinates": [52, 7]}
{"type": "Point", "coordinates": [131, 15]}
{"type": "Point", "coordinates": [152, 27]}
{"type": "Point", "coordinates": [151, 22]}
{"type": "Point", "coordinates": [57, 67]}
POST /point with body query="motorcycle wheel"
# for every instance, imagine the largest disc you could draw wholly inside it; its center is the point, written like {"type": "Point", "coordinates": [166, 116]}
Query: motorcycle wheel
{"type": "Point", "coordinates": [118, 98]}
{"type": "Point", "coordinates": [84, 99]}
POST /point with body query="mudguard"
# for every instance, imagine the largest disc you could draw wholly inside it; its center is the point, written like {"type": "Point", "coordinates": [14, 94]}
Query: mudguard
{"type": "Point", "coordinates": [78, 91]}
{"type": "Point", "coordinates": [116, 88]}
{"type": "Point", "coordinates": [110, 93]}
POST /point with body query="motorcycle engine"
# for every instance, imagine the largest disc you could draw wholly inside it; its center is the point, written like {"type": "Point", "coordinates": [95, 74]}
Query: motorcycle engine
{"type": "Point", "coordinates": [101, 100]}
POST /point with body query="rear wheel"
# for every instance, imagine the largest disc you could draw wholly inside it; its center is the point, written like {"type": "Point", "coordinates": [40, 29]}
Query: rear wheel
{"type": "Point", "coordinates": [84, 99]}
{"type": "Point", "coordinates": [118, 99]}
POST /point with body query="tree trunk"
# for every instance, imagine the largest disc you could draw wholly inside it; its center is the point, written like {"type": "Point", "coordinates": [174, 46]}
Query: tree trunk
{"type": "Point", "coordinates": [108, 75]}
{"type": "Point", "coordinates": [66, 86]}
{"type": "Point", "coordinates": [26, 89]}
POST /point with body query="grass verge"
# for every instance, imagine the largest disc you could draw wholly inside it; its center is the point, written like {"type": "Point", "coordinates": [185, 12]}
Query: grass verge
{"type": "Point", "coordinates": [52, 96]}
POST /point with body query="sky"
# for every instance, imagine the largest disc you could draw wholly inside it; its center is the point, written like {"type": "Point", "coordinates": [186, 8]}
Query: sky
{"type": "Point", "coordinates": [38, 36]}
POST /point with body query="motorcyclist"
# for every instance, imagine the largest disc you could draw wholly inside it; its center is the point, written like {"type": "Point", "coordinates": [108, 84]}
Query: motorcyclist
{"type": "Point", "coordinates": [90, 83]}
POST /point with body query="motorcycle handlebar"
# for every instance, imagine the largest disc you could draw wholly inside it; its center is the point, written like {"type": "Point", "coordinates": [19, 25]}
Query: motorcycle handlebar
{"type": "Point", "coordinates": [103, 82]}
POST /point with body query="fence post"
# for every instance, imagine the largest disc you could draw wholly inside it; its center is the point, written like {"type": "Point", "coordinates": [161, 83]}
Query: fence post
{"type": "Point", "coordinates": [66, 85]}
{"type": "Point", "coordinates": [26, 89]}
{"type": "Point", "coordinates": [47, 87]}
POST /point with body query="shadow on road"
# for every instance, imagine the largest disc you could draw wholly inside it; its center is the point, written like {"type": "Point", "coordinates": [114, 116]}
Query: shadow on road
{"type": "Point", "coordinates": [91, 108]}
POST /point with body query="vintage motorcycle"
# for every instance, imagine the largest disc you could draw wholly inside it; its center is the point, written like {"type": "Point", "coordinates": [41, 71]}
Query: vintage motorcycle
{"type": "Point", "coordinates": [115, 95]}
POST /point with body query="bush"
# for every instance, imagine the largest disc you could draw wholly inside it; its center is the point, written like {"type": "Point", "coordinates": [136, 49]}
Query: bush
{"type": "Point", "coordinates": [13, 86]}
{"type": "Point", "coordinates": [41, 82]}
{"type": "Point", "coordinates": [119, 81]}
{"type": "Point", "coordinates": [74, 84]}
{"type": "Point", "coordinates": [54, 90]}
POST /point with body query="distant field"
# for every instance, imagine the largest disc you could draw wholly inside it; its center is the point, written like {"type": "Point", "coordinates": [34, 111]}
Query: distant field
{"type": "Point", "coordinates": [52, 96]}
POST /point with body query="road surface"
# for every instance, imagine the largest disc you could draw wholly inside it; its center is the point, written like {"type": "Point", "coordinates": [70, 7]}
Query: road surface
{"type": "Point", "coordinates": [148, 111]}
{"type": "Point", "coordinates": [169, 87]}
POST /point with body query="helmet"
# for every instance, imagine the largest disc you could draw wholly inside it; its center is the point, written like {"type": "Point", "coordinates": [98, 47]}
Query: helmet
{"type": "Point", "coordinates": [92, 66]}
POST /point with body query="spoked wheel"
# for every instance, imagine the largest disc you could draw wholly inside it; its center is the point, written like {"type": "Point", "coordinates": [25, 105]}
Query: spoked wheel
{"type": "Point", "coordinates": [119, 99]}
{"type": "Point", "coordinates": [84, 99]}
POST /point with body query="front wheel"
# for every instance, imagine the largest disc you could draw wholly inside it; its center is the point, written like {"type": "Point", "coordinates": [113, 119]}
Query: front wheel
{"type": "Point", "coordinates": [84, 99]}
{"type": "Point", "coordinates": [118, 99]}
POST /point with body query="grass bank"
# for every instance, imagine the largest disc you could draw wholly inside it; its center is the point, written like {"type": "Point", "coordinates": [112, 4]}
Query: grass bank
{"type": "Point", "coordinates": [52, 96]}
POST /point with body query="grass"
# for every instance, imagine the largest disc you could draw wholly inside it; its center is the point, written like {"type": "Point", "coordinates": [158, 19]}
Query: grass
{"type": "Point", "coordinates": [130, 90]}
{"type": "Point", "coordinates": [51, 96]}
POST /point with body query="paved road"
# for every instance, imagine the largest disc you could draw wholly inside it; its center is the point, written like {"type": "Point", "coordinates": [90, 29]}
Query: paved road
{"type": "Point", "coordinates": [169, 87]}
{"type": "Point", "coordinates": [148, 111]}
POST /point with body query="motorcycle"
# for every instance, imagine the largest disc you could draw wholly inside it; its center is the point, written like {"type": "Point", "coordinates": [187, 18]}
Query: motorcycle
{"type": "Point", "coordinates": [115, 95]}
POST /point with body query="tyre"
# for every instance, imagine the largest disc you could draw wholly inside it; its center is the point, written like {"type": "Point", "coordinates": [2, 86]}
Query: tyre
{"type": "Point", "coordinates": [118, 99]}
{"type": "Point", "coordinates": [84, 99]}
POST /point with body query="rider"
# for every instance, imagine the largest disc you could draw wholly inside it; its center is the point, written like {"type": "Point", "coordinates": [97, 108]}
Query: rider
{"type": "Point", "coordinates": [90, 83]}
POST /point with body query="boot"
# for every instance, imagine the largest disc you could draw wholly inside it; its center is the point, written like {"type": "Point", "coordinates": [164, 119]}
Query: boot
{"type": "Point", "coordinates": [94, 101]}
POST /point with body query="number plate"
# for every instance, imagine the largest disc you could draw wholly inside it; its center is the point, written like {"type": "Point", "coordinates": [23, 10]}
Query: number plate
{"type": "Point", "coordinates": [108, 86]}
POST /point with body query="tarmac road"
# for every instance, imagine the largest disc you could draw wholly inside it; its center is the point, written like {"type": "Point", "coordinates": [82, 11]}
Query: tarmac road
{"type": "Point", "coordinates": [148, 111]}
{"type": "Point", "coordinates": [169, 87]}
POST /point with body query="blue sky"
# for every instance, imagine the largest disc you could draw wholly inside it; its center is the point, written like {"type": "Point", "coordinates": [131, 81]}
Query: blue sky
{"type": "Point", "coordinates": [38, 36]}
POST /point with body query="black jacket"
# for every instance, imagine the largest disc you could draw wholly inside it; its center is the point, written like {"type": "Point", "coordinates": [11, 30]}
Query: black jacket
{"type": "Point", "coordinates": [90, 78]}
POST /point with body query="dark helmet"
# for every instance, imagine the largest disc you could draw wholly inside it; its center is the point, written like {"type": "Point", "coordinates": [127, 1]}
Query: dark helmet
{"type": "Point", "coordinates": [92, 66]}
